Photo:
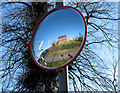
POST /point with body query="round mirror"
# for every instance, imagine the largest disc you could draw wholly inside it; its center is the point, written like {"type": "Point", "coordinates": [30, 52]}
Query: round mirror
{"type": "Point", "coordinates": [58, 38]}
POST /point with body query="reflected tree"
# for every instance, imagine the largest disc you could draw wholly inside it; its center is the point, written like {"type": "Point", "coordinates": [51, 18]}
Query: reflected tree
{"type": "Point", "coordinates": [19, 71]}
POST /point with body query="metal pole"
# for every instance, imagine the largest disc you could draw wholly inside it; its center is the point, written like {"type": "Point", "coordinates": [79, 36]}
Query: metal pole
{"type": "Point", "coordinates": [63, 80]}
{"type": "Point", "coordinates": [63, 74]}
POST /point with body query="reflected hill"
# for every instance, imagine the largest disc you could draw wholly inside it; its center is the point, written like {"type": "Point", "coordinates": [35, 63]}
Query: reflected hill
{"type": "Point", "coordinates": [61, 52]}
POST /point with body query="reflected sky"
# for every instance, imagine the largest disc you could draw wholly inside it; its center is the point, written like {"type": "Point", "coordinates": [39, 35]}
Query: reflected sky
{"type": "Point", "coordinates": [65, 21]}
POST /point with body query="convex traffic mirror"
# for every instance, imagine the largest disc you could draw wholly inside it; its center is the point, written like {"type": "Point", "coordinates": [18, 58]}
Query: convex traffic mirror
{"type": "Point", "coordinates": [58, 38]}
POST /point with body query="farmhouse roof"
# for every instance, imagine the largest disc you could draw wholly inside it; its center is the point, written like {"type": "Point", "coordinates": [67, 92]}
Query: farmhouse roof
{"type": "Point", "coordinates": [62, 36]}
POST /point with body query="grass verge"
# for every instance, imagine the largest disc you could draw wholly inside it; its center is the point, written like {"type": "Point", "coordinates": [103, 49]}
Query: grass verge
{"type": "Point", "coordinates": [55, 64]}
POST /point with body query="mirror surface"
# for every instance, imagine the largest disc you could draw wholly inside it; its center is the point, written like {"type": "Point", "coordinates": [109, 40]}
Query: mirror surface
{"type": "Point", "coordinates": [58, 37]}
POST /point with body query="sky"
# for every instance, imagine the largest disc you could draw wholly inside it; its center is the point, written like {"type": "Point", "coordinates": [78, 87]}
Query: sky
{"type": "Point", "coordinates": [61, 22]}
{"type": "Point", "coordinates": [45, 32]}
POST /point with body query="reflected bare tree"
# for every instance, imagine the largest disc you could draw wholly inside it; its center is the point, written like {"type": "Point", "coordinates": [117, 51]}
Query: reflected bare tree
{"type": "Point", "coordinates": [19, 71]}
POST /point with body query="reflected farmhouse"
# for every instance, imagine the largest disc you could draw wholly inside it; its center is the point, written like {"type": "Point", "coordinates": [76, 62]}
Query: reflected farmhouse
{"type": "Point", "coordinates": [63, 39]}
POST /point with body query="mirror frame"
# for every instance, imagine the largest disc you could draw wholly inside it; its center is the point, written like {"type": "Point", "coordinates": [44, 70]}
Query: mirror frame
{"type": "Point", "coordinates": [71, 60]}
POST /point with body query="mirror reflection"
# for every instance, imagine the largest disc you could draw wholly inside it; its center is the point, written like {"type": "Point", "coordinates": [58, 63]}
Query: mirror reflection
{"type": "Point", "coordinates": [58, 38]}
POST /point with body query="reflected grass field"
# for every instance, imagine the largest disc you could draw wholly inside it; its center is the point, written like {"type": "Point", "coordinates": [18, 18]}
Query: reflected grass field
{"type": "Point", "coordinates": [65, 47]}
{"type": "Point", "coordinates": [55, 64]}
